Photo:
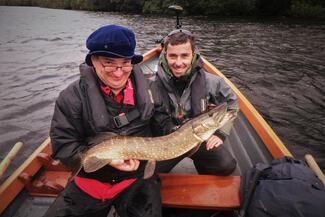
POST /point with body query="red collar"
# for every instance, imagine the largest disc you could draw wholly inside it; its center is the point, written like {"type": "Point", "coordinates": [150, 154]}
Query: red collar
{"type": "Point", "coordinates": [127, 95]}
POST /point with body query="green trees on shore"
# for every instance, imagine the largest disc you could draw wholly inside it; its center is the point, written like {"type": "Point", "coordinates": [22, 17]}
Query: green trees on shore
{"type": "Point", "coordinates": [291, 8]}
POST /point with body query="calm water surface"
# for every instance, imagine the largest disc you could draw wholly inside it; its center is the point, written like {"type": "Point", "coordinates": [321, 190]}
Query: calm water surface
{"type": "Point", "coordinates": [279, 66]}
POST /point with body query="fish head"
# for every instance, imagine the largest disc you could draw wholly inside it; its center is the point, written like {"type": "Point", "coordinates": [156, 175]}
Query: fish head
{"type": "Point", "coordinates": [206, 125]}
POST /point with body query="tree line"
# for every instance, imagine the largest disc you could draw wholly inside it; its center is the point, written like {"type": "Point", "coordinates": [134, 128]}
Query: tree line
{"type": "Point", "coordinates": [290, 8]}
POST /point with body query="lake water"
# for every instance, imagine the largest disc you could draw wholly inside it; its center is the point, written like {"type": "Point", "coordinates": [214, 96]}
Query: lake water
{"type": "Point", "coordinates": [278, 65]}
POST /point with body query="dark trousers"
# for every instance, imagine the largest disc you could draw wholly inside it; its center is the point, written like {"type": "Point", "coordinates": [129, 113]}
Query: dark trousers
{"type": "Point", "coordinates": [141, 199]}
{"type": "Point", "coordinates": [217, 161]}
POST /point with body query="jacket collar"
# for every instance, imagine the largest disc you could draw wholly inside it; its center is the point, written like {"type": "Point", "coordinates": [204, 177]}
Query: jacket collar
{"type": "Point", "coordinates": [166, 77]}
{"type": "Point", "coordinates": [91, 90]}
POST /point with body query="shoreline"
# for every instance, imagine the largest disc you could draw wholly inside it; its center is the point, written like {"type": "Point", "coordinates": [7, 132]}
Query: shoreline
{"type": "Point", "coordinates": [255, 9]}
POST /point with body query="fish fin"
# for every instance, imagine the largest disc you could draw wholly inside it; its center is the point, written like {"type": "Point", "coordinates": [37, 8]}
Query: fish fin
{"type": "Point", "coordinates": [94, 163]}
{"type": "Point", "coordinates": [149, 170]}
{"type": "Point", "coordinates": [100, 137]}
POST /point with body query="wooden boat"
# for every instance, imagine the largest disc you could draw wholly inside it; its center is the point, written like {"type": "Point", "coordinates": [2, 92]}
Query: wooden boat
{"type": "Point", "coordinates": [31, 189]}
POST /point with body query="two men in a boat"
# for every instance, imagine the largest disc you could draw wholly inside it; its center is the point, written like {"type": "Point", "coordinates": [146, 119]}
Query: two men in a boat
{"type": "Point", "coordinates": [112, 95]}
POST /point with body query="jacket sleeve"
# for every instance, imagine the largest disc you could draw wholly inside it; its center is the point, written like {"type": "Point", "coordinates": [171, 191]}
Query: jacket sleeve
{"type": "Point", "coordinates": [161, 122]}
{"type": "Point", "coordinates": [66, 130]}
{"type": "Point", "coordinates": [220, 92]}
{"type": "Point", "coordinates": [224, 93]}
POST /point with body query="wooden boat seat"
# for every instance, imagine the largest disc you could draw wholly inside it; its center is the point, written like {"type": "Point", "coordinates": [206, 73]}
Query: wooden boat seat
{"type": "Point", "coordinates": [200, 191]}
{"type": "Point", "coordinates": [178, 190]}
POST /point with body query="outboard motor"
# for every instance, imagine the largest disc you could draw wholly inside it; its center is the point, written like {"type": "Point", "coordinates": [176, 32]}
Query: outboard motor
{"type": "Point", "coordinates": [178, 9]}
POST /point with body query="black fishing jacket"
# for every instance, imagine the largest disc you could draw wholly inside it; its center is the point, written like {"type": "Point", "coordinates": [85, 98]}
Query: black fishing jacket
{"type": "Point", "coordinates": [82, 111]}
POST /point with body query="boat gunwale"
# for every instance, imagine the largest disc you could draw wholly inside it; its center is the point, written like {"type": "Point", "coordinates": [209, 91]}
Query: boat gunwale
{"type": "Point", "coordinates": [11, 187]}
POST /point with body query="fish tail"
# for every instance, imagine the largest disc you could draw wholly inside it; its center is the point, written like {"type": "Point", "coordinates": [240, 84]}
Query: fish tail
{"type": "Point", "coordinates": [93, 163]}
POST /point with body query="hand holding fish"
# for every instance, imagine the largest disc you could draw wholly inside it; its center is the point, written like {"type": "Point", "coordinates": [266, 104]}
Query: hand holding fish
{"type": "Point", "coordinates": [126, 165]}
{"type": "Point", "coordinates": [213, 141]}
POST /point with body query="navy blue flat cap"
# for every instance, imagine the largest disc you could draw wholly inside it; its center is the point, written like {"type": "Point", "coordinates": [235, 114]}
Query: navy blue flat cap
{"type": "Point", "coordinates": [112, 41]}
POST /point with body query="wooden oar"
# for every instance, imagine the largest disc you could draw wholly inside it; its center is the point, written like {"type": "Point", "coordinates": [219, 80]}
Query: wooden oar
{"type": "Point", "coordinates": [10, 156]}
{"type": "Point", "coordinates": [314, 166]}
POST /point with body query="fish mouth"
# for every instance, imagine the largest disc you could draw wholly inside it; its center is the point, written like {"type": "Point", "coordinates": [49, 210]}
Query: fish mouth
{"type": "Point", "coordinates": [216, 118]}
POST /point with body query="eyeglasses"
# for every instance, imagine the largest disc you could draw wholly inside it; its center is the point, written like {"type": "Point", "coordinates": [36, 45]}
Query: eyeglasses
{"type": "Point", "coordinates": [110, 67]}
{"type": "Point", "coordinates": [114, 68]}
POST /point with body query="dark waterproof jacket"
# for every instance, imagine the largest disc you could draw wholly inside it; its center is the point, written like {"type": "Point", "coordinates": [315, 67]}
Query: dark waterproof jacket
{"type": "Point", "coordinates": [203, 88]}
{"type": "Point", "coordinates": [286, 187]}
{"type": "Point", "coordinates": [82, 111]}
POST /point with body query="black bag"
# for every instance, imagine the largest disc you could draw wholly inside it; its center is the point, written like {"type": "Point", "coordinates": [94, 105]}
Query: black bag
{"type": "Point", "coordinates": [286, 188]}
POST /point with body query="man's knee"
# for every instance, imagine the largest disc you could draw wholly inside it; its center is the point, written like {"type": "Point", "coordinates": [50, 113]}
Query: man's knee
{"type": "Point", "coordinates": [215, 162]}
{"type": "Point", "coordinates": [226, 167]}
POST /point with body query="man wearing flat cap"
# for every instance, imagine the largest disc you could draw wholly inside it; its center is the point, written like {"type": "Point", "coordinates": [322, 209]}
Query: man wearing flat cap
{"type": "Point", "coordinates": [111, 95]}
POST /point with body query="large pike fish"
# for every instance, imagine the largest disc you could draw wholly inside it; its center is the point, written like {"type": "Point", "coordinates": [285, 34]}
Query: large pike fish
{"type": "Point", "coordinates": [185, 138]}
